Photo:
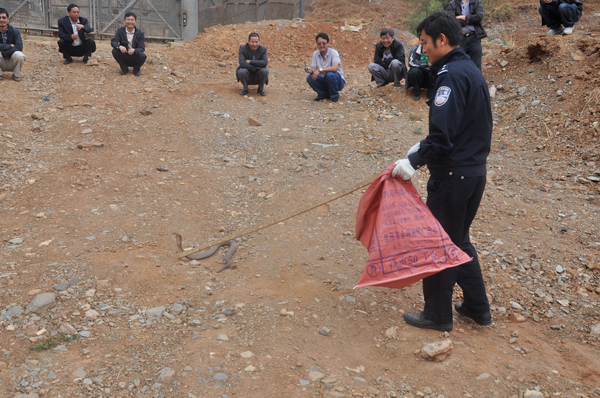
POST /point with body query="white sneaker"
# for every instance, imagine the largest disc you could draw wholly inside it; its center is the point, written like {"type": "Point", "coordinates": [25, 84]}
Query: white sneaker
{"type": "Point", "coordinates": [556, 31]}
{"type": "Point", "coordinates": [568, 30]}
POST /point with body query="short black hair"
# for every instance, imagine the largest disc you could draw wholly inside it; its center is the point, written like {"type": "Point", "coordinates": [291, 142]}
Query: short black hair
{"type": "Point", "coordinates": [71, 6]}
{"type": "Point", "coordinates": [322, 36]}
{"type": "Point", "coordinates": [253, 34]}
{"type": "Point", "coordinates": [441, 22]}
{"type": "Point", "coordinates": [3, 11]}
{"type": "Point", "coordinates": [130, 14]}
{"type": "Point", "coordinates": [387, 31]}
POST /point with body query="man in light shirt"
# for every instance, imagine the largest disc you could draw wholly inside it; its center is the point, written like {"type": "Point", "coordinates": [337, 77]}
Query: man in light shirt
{"type": "Point", "coordinates": [71, 30]}
{"type": "Point", "coordinates": [326, 75]}
{"type": "Point", "coordinates": [128, 46]}
{"type": "Point", "coordinates": [11, 47]}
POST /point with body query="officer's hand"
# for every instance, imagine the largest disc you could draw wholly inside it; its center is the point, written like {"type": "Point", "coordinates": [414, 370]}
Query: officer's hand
{"type": "Point", "coordinates": [403, 169]}
{"type": "Point", "coordinates": [413, 149]}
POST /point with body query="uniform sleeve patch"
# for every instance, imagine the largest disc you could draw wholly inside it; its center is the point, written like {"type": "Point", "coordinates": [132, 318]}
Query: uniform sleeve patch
{"type": "Point", "coordinates": [441, 96]}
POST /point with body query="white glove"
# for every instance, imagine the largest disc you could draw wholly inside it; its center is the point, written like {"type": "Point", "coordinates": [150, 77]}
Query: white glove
{"type": "Point", "coordinates": [415, 148]}
{"type": "Point", "coordinates": [403, 169]}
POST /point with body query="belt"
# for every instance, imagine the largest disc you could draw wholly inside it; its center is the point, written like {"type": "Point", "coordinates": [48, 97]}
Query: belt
{"type": "Point", "coordinates": [468, 34]}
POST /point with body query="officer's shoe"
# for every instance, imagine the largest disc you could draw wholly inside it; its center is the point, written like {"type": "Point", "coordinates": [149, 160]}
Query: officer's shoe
{"type": "Point", "coordinates": [481, 319]}
{"type": "Point", "coordinates": [418, 320]}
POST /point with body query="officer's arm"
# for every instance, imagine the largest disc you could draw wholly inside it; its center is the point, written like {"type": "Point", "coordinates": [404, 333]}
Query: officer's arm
{"type": "Point", "coordinates": [445, 117]}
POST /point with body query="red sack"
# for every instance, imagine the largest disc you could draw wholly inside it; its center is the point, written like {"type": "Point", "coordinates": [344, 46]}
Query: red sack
{"type": "Point", "coordinates": [405, 241]}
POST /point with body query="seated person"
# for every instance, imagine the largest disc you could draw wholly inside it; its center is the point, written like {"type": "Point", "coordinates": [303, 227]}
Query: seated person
{"type": "Point", "coordinates": [326, 75]}
{"type": "Point", "coordinates": [253, 65]}
{"type": "Point", "coordinates": [11, 47]}
{"type": "Point", "coordinates": [128, 46]}
{"type": "Point", "coordinates": [419, 76]}
{"type": "Point", "coordinates": [559, 13]}
{"type": "Point", "coordinates": [71, 30]}
{"type": "Point", "coordinates": [389, 65]}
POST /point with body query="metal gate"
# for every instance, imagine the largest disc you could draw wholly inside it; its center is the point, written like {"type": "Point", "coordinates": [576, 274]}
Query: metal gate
{"type": "Point", "coordinates": [159, 19]}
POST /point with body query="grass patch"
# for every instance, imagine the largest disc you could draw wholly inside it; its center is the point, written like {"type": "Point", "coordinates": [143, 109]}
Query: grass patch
{"type": "Point", "coordinates": [418, 131]}
{"type": "Point", "coordinates": [414, 118]}
{"type": "Point", "coordinates": [53, 342]}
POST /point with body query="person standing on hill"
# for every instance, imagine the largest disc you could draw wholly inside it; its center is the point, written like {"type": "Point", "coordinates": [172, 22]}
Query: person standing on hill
{"type": "Point", "coordinates": [388, 64]}
{"type": "Point", "coordinates": [325, 74]}
{"type": "Point", "coordinates": [252, 67]}
{"type": "Point", "coordinates": [470, 14]}
{"type": "Point", "coordinates": [11, 47]}
{"type": "Point", "coordinates": [71, 30]}
{"type": "Point", "coordinates": [558, 13]}
{"type": "Point", "coordinates": [129, 46]}
{"type": "Point", "coordinates": [455, 152]}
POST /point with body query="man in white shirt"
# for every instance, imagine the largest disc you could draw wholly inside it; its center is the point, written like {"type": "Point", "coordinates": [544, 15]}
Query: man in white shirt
{"type": "Point", "coordinates": [128, 46]}
{"type": "Point", "coordinates": [71, 30]}
{"type": "Point", "coordinates": [326, 75]}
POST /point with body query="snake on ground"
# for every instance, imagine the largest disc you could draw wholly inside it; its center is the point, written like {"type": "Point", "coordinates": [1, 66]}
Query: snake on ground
{"type": "Point", "coordinates": [199, 256]}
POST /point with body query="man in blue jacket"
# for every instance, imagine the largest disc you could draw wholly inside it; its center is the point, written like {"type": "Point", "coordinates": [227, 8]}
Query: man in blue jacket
{"type": "Point", "coordinates": [128, 46]}
{"type": "Point", "coordinates": [455, 152]}
{"type": "Point", "coordinates": [11, 47]}
{"type": "Point", "coordinates": [252, 67]}
{"type": "Point", "coordinates": [388, 64]}
{"type": "Point", "coordinates": [71, 31]}
{"type": "Point", "coordinates": [558, 13]}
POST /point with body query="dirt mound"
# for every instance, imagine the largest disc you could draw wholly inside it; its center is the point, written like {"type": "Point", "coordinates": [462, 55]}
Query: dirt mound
{"type": "Point", "coordinates": [540, 47]}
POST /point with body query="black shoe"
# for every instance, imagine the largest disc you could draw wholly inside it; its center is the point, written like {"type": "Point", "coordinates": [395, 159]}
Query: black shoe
{"type": "Point", "coordinates": [244, 91]}
{"type": "Point", "coordinates": [480, 319]}
{"type": "Point", "coordinates": [417, 97]}
{"type": "Point", "coordinates": [319, 99]}
{"type": "Point", "coordinates": [397, 85]}
{"type": "Point", "coordinates": [419, 321]}
{"type": "Point", "coordinates": [261, 93]}
{"type": "Point", "coordinates": [335, 99]}
{"type": "Point", "coordinates": [86, 58]}
{"type": "Point", "coordinates": [124, 71]}
{"type": "Point", "coordinates": [67, 61]}
{"type": "Point", "coordinates": [136, 72]}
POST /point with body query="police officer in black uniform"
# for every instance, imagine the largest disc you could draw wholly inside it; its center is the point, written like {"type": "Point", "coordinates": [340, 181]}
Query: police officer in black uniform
{"type": "Point", "coordinates": [455, 151]}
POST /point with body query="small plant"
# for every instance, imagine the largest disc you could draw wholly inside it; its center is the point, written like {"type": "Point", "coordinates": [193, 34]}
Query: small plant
{"type": "Point", "coordinates": [503, 13]}
{"type": "Point", "coordinates": [327, 20]}
{"type": "Point", "coordinates": [418, 131]}
{"type": "Point", "coordinates": [52, 342]}
{"type": "Point", "coordinates": [414, 117]}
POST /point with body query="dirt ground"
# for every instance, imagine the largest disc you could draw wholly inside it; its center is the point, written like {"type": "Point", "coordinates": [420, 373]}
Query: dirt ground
{"type": "Point", "coordinates": [94, 225]}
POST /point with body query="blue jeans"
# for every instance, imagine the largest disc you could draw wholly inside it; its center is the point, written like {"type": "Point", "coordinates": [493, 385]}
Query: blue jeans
{"type": "Point", "coordinates": [565, 14]}
{"type": "Point", "coordinates": [328, 86]}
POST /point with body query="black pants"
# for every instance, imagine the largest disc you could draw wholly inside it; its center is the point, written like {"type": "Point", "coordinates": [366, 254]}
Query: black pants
{"type": "Point", "coordinates": [68, 50]}
{"type": "Point", "coordinates": [259, 77]}
{"type": "Point", "coordinates": [419, 78]}
{"type": "Point", "coordinates": [125, 60]}
{"type": "Point", "coordinates": [454, 202]}
{"type": "Point", "coordinates": [472, 46]}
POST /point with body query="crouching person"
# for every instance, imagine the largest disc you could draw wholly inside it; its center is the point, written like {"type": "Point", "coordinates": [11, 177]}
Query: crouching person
{"type": "Point", "coordinates": [128, 46]}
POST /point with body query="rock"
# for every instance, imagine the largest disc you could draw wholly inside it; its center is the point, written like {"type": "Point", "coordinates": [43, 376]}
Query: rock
{"type": "Point", "coordinates": [483, 376]}
{"type": "Point", "coordinates": [222, 64]}
{"type": "Point", "coordinates": [156, 312]}
{"type": "Point", "coordinates": [247, 354]}
{"type": "Point", "coordinates": [16, 310]}
{"type": "Point", "coordinates": [41, 303]}
{"type": "Point", "coordinates": [595, 330]}
{"type": "Point", "coordinates": [325, 331]}
{"type": "Point", "coordinates": [511, 97]}
{"type": "Point", "coordinates": [165, 373]}
{"type": "Point", "coordinates": [86, 131]}
{"type": "Point", "coordinates": [315, 375]}
{"type": "Point", "coordinates": [520, 130]}
{"type": "Point", "coordinates": [66, 328]}
{"type": "Point", "coordinates": [536, 266]}
{"type": "Point", "coordinates": [438, 350]}
{"type": "Point", "coordinates": [92, 314]}
{"type": "Point", "coordinates": [178, 73]}
{"type": "Point", "coordinates": [3, 365]}
{"type": "Point", "coordinates": [533, 394]}
{"type": "Point", "coordinates": [250, 368]}
{"type": "Point", "coordinates": [493, 92]}
{"type": "Point", "coordinates": [80, 373]}
{"type": "Point", "coordinates": [517, 317]}
{"type": "Point", "coordinates": [61, 286]}
{"type": "Point", "coordinates": [496, 41]}
{"type": "Point", "coordinates": [503, 63]}
{"type": "Point", "coordinates": [521, 90]}
{"type": "Point", "coordinates": [60, 348]}
{"type": "Point", "coordinates": [85, 333]}
{"type": "Point", "coordinates": [222, 337]}
{"type": "Point", "coordinates": [177, 308]}
{"type": "Point", "coordinates": [254, 122]}
{"type": "Point", "coordinates": [519, 112]}
{"type": "Point", "coordinates": [16, 241]}
{"type": "Point", "coordinates": [516, 306]}
{"type": "Point", "coordinates": [87, 145]}
{"type": "Point", "coordinates": [391, 333]}
{"type": "Point", "coordinates": [304, 382]}
{"type": "Point", "coordinates": [30, 395]}
{"type": "Point", "coordinates": [220, 376]}
{"type": "Point", "coordinates": [146, 110]}
{"type": "Point", "coordinates": [559, 269]}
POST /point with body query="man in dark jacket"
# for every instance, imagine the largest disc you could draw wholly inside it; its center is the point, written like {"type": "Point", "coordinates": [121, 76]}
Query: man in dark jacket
{"type": "Point", "coordinates": [71, 30]}
{"type": "Point", "coordinates": [470, 14]}
{"type": "Point", "coordinates": [419, 76]}
{"type": "Point", "coordinates": [253, 65]}
{"type": "Point", "coordinates": [11, 47]}
{"type": "Point", "coordinates": [559, 13]}
{"type": "Point", "coordinates": [389, 64]}
{"type": "Point", "coordinates": [128, 46]}
{"type": "Point", "coordinates": [455, 152]}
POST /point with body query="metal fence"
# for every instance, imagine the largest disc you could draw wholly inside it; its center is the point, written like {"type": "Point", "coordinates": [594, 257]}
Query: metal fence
{"type": "Point", "coordinates": [159, 19]}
